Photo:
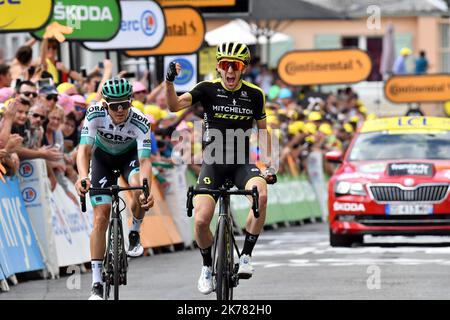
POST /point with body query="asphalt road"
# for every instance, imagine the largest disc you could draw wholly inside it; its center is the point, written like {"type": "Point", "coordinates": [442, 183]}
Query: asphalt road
{"type": "Point", "coordinates": [290, 263]}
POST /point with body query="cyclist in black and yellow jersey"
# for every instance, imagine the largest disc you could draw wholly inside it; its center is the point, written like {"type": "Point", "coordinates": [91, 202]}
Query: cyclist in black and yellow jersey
{"type": "Point", "coordinates": [231, 106]}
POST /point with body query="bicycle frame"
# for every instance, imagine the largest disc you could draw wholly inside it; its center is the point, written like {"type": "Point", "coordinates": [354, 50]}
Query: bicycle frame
{"type": "Point", "coordinates": [115, 262]}
{"type": "Point", "coordinates": [224, 269]}
{"type": "Point", "coordinates": [110, 263]}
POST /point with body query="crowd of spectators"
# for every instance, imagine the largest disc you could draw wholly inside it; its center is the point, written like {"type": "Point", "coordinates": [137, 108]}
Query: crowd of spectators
{"type": "Point", "coordinates": [42, 107]}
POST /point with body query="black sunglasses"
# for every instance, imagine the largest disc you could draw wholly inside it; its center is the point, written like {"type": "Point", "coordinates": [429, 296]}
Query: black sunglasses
{"type": "Point", "coordinates": [52, 97]}
{"type": "Point", "coordinates": [114, 106]}
{"type": "Point", "coordinates": [37, 115]}
{"type": "Point", "coordinates": [29, 93]}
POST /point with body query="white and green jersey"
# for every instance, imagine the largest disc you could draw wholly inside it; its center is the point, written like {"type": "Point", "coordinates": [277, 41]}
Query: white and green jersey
{"type": "Point", "coordinates": [134, 132]}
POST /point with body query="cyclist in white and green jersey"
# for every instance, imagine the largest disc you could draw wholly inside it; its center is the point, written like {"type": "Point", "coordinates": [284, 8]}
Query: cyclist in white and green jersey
{"type": "Point", "coordinates": [115, 136]}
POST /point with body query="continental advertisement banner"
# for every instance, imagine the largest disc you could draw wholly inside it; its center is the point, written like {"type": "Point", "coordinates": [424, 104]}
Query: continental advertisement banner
{"type": "Point", "coordinates": [185, 31]}
{"type": "Point", "coordinates": [324, 67]}
{"type": "Point", "coordinates": [24, 15]}
{"type": "Point", "coordinates": [290, 199]}
{"type": "Point", "coordinates": [418, 88]}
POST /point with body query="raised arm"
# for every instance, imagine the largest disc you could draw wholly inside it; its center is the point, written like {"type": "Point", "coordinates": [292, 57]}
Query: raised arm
{"type": "Point", "coordinates": [106, 76]}
{"type": "Point", "coordinates": [175, 103]}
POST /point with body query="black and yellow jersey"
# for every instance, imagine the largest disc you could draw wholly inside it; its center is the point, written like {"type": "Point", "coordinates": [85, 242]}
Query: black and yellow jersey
{"type": "Point", "coordinates": [228, 109]}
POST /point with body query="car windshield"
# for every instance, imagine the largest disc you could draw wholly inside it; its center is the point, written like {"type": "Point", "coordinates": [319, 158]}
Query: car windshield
{"type": "Point", "coordinates": [391, 146]}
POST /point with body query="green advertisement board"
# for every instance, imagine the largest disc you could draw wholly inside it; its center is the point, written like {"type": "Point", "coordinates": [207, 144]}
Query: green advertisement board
{"type": "Point", "coordinates": [91, 20]}
{"type": "Point", "coordinates": [290, 199]}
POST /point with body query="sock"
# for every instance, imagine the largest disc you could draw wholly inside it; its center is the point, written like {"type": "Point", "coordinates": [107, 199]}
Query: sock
{"type": "Point", "coordinates": [207, 257]}
{"type": "Point", "coordinates": [96, 271]}
{"type": "Point", "coordinates": [136, 226]}
{"type": "Point", "coordinates": [249, 244]}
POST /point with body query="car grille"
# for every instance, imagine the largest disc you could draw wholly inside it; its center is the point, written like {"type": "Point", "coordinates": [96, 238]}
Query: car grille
{"type": "Point", "coordinates": [374, 220]}
{"type": "Point", "coordinates": [426, 193]}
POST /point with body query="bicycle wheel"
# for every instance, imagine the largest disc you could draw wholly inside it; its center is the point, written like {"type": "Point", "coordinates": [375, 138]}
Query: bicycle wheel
{"type": "Point", "coordinates": [224, 289]}
{"type": "Point", "coordinates": [116, 258]}
{"type": "Point", "coordinates": [107, 264]}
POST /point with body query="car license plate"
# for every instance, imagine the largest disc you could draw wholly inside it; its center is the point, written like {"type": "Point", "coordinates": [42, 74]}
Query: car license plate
{"type": "Point", "coordinates": [413, 209]}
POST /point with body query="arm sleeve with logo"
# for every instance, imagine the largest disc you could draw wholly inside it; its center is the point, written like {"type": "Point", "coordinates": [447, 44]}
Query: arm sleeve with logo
{"type": "Point", "coordinates": [144, 144]}
{"type": "Point", "coordinates": [260, 105]}
{"type": "Point", "coordinates": [89, 130]}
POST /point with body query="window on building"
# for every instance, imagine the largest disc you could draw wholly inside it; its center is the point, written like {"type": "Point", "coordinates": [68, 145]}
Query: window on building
{"type": "Point", "coordinates": [374, 49]}
{"type": "Point", "coordinates": [350, 42]}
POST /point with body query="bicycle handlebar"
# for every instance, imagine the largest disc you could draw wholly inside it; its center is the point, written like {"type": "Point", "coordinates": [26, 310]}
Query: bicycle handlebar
{"type": "Point", "coordinates": [114, 189]}
{"type": "Point", "coordinates": [223, 192]}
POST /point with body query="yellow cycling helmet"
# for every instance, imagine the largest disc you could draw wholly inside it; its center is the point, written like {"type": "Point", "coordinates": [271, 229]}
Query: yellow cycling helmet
{"type": "Point", "coordinates": [233, 50]}
{"type": "Point", "coordinates": [405, 51]}
{"type": "Point", "coordinates": [295, 127]}
{"type": "Point", "coordinates": [314, 116]}
{"type": "Point", "coordinates": [326, 129]}
{"type": "Point", "coordinates": [354, 119]}
{"type": "Point", "coordinates": [348, 128]}
{"type": "Point", "coordinates": [310, 139]}
{"type": "Point", "coordinates": [310, 128]}
{"type": "Point", "coordinates": [67, 88]}
{"type": "Point", "coordinates": [363, 109]}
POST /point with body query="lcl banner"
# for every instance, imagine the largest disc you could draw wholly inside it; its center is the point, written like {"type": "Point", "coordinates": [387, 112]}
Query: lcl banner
{"type": "Point", "coordinates": [143, 27]}
{"type": "Point", "coordinates": [304, 67]}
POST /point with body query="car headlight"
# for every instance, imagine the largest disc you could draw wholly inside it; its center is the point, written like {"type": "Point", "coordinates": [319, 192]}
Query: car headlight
{"type": "Point", "coordinates": [354, 188]}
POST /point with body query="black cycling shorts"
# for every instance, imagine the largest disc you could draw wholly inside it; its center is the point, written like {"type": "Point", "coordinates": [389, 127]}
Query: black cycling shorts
{"type": "Point", "coordinates": [102, 172]}
{"type": "Point", "coordinates": [213, 176]}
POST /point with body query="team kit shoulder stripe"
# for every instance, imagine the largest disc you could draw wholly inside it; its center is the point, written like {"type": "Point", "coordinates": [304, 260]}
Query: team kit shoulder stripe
{"type": "Point", "coordinates": [203, 82]}
{"type": "Point", "coordinates": [140, 125]}
{"type": "Point", "coordinates": [94, 115]}
{"type": "Point", "coordinates": [190, 95]}
{"type": "Point", "coordinates": [95, 111]}
{"type": "Point", "coordinates": [144, 153]}
{"type": "Point", "coordinates": [87, 140]}
{"type": "Point", "coordinates": [254, 86]}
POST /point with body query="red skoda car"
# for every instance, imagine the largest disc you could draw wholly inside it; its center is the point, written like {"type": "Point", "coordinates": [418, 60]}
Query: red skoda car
{"type": "Point", "coordinates": [393, 180]}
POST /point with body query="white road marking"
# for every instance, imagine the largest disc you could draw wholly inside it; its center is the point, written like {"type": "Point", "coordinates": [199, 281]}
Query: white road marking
{"type": "Point", "coordinates": [285, 247]}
